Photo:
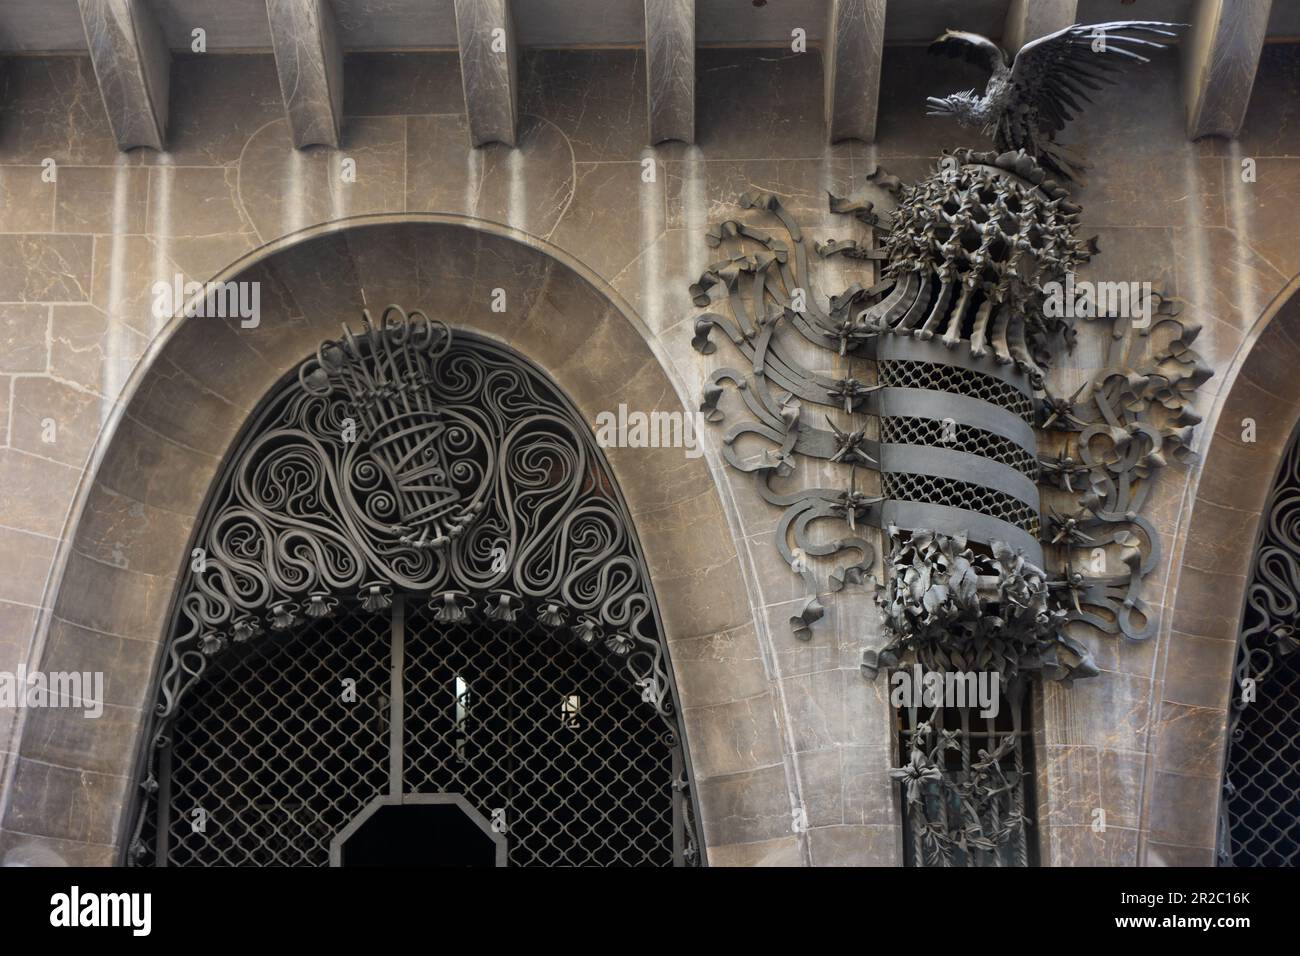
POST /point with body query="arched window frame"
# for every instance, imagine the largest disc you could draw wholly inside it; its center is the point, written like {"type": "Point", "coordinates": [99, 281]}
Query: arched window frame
{"type": "Point", "coordinates": [601, 599]}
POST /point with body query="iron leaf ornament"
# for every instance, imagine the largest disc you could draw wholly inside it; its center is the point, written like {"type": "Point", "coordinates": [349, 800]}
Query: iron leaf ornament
{"type": "Point", "coordinates": [966, 423]}
{"type": "Point", "coordinates": [1030, 98]}
{"type": "Point", "coordinates": [1010, 491]}
{"type": "Point", "coordinates": [973, 817]}
{"type": "Point", "coordinates": [950, 608]}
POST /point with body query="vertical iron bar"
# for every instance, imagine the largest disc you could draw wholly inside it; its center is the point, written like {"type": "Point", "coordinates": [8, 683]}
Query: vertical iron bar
{"type": "Point", "coordinates": [511, 634]}
{"type": "Point", "coordinates": [915, 811]}
{"type": "Point", "coordinates": [164, 822]}
{"type": "Point", "coordinates": [971, 856]}
{"type": "Point", "coordinates": [679, 833]}
{"type": "Point", "coordinates": [396, 699]}
{"type": "Point", "coordinates": [995, 814]}
{"type": "Point", "coordinates": [1017, 699]}
{"type": "Point", "coordinates": [945, 819]}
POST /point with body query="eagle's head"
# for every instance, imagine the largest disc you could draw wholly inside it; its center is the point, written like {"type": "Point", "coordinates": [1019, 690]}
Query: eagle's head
{"type": "Point", "coordinates": [963, 107]}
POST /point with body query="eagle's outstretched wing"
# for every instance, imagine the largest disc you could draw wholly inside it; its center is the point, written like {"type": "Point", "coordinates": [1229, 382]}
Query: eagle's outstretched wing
{"type": "Point", "coordinates": [1052, 75]}
{"type": "Point", "coordinates": [972, 48]}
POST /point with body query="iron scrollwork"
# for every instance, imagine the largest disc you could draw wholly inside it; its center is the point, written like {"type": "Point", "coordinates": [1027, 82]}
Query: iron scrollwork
{"type": "Point", "coordinates": [962, 334]}
{"type": "Point", "coordinates": [963, 344]}
{"type": "Point", "coordinates": [1257, 813]}
{"type": "Point", "coordinates": [966, 421]}
{"type": "Point", "coordinates": [401, 460]}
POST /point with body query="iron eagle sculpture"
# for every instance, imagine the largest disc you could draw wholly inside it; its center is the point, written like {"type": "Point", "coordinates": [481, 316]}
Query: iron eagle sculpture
{"type": "Point", "coordinates": [1030, 98]}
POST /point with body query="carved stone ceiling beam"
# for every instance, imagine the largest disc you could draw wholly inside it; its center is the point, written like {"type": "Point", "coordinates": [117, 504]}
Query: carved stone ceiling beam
{"type": "Point", "coordinates": [1030, 19]}
{"type": "Point", "coordinates": [131, 63]}
{"type": "Point", "coordinates": [670, 69]}
{"type": "Point", "coordinates": [1219, 62]}
{"type": "Point", "coordinates": [309, 61]}
{"type": "Point", "coordinates": [486, 37]}
{"type": "Point", "coordinates": [855, 35]}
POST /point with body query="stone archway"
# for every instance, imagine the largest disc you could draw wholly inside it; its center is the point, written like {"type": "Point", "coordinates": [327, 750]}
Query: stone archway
{"type": "Point", "coordinates": [1209, 584]}
{"type": "Point", "coordinates": [110, 598]}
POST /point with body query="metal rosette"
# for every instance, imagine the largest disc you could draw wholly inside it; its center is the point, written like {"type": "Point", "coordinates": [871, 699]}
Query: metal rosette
{"type": "Point", "coordinates": [957, 445]}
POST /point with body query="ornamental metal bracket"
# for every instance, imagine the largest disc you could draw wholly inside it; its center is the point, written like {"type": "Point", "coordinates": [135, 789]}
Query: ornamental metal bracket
{"type": "Point", "coordinates": [975, 301]}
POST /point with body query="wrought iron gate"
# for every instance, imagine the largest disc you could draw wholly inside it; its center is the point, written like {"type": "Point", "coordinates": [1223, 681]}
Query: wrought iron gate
{"type": "Point", "coordinates": [415, 575]}
{"type": "Point", "coordinates": [542, 737]}
{"type": "Point", "coordinates": [286, 743]}
{"type": "Point", "coordinates": [281, 744]}
{"type": "Point", "coordinates": [1259, 816]}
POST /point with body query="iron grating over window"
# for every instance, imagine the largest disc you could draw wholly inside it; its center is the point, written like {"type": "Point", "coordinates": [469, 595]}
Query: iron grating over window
{"type": "Point", "coordinates": [542, 738]}
{"type": "Point", "coordinates": [932, 489]}
{"type": "Point", "coordinates": [1259, 820]}
{"type": "Point", "coordinates": [279, 748]}
{"type": "Point", "coordinates": [287, 741]}
{"type": "Point", "coordinates": [895, 430]}
{"type": "Point", "coordinates": [415, 571]}
{"type": "Point", "coordinates": [967, 784]}
{"type": "Point", "coordinates": [898, 373]}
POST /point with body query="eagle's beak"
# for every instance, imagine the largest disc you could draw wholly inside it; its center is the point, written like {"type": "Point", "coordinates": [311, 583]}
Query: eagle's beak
{"type": "Point", "coordinates": [937, 106]}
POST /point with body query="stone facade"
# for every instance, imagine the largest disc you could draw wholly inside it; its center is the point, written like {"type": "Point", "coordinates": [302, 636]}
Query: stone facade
{"type": "Point", "coordinates": [115, 421]}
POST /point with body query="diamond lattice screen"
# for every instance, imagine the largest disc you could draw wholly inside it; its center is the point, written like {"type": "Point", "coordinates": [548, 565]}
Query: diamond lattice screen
{"type": "Point", "coordinates": [288, 739]}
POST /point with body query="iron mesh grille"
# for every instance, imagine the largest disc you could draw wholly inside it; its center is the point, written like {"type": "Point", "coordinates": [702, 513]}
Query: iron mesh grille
{"type": "Point", "coordinates": [967, 438]}
{"type": "Point", "coordinates": [536, 731]}
{"type": "Point", "coordinates": [1260, 810]}
{"type": "Point", "coordinates": [958, 381]}
{"type": "Point", "coordinates": [259, 737]}
{"type": "Point", "coordinates": [929, 489]}
{"type": "Point", "coordinates": [542, 738]}
{"type": "Point", "coordinates": [1263, 801]}
{"type": "Point", "coordinates": [271, 753]}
